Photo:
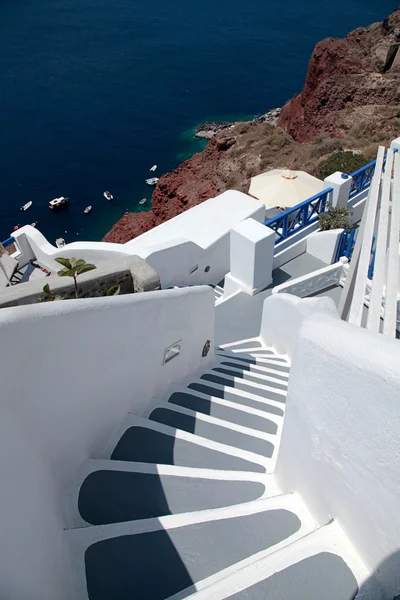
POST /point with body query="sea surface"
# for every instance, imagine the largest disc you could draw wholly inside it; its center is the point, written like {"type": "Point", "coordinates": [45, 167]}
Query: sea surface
{"type": "Point", "coordinates": [94, 92]}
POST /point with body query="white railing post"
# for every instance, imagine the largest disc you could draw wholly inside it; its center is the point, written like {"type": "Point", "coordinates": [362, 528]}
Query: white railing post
{"type": "Point", "coordinates": [341, 184]}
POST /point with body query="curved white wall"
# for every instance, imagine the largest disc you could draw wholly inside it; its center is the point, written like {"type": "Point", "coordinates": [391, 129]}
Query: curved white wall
{"type": "Point", "coordinates": [283, 316]}
{"type": "Point", "coordinates": [70, 372]}
{"type": "Point", "coordinates": [341, 437]}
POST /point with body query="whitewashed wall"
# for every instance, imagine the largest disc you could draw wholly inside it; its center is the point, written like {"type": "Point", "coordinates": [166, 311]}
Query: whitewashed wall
{"type": "Point", "coordinates": [341, 438]}
{"type": "Point", "coordinates": [182, 262]}
{"type": "Point", "coordinates": [283, 316]}
{"type": "Point", "coordinates": [33, 244]}
{"type": "Point", "coordinates": [70, 372]}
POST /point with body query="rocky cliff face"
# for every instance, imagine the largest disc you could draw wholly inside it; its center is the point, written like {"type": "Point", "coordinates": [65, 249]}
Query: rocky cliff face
{"type": "Point", "coordinates": [351, 92]}
{"type": "Point", "coordinates": [363, 69]}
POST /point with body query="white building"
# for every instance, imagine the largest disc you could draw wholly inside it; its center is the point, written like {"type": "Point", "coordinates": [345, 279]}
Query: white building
{"type": "Point", "coordinates": [164, 445]}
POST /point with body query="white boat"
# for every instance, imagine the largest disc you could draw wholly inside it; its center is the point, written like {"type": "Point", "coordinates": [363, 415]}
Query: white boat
{"type": "Point", "coordinates": [152, 181]}
{"type": "Point", "coordinates": [87, 210]}
{"type": "Point", "coordinates": [108, 195]}
{"type": "Point", "coordinates": [60, 242]}
{"type": "Point", "coordinates": [153, 168]}
{"type": "Point", "coordinates": [143, 200]}
{"type": "Point", "coordinates": [58, 202]}
{"type": "Point", "coordinates": [27, 205]}
{"type": "Point", "coordinates": [34, 224]}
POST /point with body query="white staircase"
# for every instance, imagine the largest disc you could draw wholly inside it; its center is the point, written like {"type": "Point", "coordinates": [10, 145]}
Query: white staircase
{"type": "Point", "coordinates": [183, 502]}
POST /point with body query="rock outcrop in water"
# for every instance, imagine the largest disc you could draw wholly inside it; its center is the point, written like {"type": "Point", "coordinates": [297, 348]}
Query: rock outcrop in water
{"type": "Point", "coordinates": [350, 99]}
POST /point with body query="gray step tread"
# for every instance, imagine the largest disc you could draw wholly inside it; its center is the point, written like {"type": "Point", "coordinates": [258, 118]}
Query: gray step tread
{"type": "Point", "coordinates": [227, 394]}
{"type": "Point", "coordinates": [324, 576]}
{"type": "Point", "coordinates": [109, 496]}
{"type": "Point", "coordinates": [252, 368]}
{"type": "Point", "coordinates": [277, 382]}
{"type": "Point", "coordinates": [214, 432]}
{"type": "Point", "coordinates": [268, 361]}
{"type": "Point", "coordinates": [158, 564]}
{"type": "Point", "coordinates": [245, 386]}
{"type": "Point", "coordinates": [140, 444]}
{"type": "Point", "coordinates": [237, 416]}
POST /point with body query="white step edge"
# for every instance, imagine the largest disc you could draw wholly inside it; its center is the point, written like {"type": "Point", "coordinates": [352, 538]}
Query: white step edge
{"type": "Point", "coordinates": [199, 416]}
{"type": "Point", "coordinates": [133, 420]}
{"type": "Point", "coordinates": [229, 403]}
{"type": "Point", "coordinates": [80, 539]}
{"type": "Point", "coordinates": [250, 384]}
{"type": "Point", "coordinates": [280, 360]}
{"type": "Point", "coordinates": [262, 377]}
{"type": "Point", "coordinates": [255, 353]}
{"type": "Point", "coordinates": [238, 393]}
{"type": "Point", "coordinates": [252, 368]}
{"type": "Point", "coordinates": [328, 538]}
{"type": "Point", "coordinates": [243, 341]}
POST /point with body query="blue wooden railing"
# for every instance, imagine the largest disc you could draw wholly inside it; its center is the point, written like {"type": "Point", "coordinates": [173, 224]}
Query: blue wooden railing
{"type": "Point", "coordinates": [8, 242]}
{"type": "Point", "coordinates": [301, 215]}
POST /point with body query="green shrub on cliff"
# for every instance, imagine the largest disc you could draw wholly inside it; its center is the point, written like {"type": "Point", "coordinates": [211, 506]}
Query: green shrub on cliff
{"type": "Point", "coordinates": [345, 161]}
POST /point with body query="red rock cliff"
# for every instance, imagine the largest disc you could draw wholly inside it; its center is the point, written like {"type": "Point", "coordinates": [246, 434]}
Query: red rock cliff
{"type": "Point", "coordinates": [360, 70]}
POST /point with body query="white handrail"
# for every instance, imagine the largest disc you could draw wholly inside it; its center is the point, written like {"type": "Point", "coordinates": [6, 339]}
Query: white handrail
{"type": "Point", "coordinates": [375, 305]}
{"type": "Point", "coordinates": [357, 303]}
{"type": "Point", "coordinates": [392, 276]}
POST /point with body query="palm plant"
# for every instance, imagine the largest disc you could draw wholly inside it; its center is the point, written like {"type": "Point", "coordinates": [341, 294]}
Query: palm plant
{"type": "Point", "coordinates": [73, 268]}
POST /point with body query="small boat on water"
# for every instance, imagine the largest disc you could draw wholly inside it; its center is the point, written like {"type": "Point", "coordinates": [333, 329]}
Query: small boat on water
{"type": "Point", "coordinates": [152, 181]}
{"type": "Point", "coordinates": [87, 210]}
{"type": "Point", "coordinates": [143, 200]}
{"type": "Point", "coordinates": [108, 195]}
{"type": "Point", "coordinates": [58, 202]}
{"type": "Point", "coordinates": [60, 242]}
{"type": "Point", "coordinates": [34, 224]}
{"type": "Point", "coordinates": [153, 168]}
{"type": "Point", "coordinates": [27, 205]}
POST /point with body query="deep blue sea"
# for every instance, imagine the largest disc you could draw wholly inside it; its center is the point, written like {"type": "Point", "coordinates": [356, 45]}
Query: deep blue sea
{"type": "Point", "coordinates": [94, 92]}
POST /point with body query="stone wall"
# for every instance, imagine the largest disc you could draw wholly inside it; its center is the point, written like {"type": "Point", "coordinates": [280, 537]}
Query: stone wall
{"type": "Point", "coordinates": [132, 274]}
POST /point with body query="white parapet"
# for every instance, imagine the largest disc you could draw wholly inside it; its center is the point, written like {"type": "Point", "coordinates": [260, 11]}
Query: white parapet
{"type": "Point", "coordinates": [341, 184]}
{"type": "Point", "coordinates": [251, 255]}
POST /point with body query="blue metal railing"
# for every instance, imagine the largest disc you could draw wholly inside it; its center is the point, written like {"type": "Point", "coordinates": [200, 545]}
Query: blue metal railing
{"type": "Point", "coordinates": [8, 242]}
{"type": "Point", "coordinates": [346, 247]}
{"type": "Point", "coordinates": [346, 244]}
{"type": "Point", "coordinates": [300, 216]}
{"type": "Point", "coordinates": [362, 177]}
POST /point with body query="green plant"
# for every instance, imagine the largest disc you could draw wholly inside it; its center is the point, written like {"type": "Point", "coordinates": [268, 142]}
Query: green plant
{"type": "Point", "coordinates": [73, 268]}
{"type": "Point", "coordinates": [47, 295]}
{"type": "Point", "coordinates": [115, 290]}
{"type": "Point", "coordinates": [345, 161]}
{"type": "Point", "coordinates": [336, 218]}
